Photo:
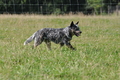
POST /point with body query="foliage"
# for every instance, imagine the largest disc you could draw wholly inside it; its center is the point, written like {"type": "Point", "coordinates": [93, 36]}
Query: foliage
{"type": "Point", "coordinates": [54, 6]}
{"type": "Point", "coordinates": [95, 4]}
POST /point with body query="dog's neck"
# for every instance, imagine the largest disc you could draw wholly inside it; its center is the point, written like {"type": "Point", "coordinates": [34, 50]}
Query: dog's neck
{"type": "Point", "coordinates": [68, 32]}
{"type": "Point", "coordinates": [71, 33]}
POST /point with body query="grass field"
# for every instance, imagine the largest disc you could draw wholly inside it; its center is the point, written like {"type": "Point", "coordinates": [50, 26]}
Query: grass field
{"type": "Point", "coordinates": [97, 56]}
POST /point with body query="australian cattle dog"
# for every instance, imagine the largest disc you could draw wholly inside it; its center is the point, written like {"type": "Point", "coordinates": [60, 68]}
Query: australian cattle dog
{"type": "Point", "coordinates": [59, 36]}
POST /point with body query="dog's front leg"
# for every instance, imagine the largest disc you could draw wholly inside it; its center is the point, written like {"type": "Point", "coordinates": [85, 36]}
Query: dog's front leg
{"type": "Point", "coordinates": [70, 46]}
{"type": "Point", "coordinates": [61, 44]}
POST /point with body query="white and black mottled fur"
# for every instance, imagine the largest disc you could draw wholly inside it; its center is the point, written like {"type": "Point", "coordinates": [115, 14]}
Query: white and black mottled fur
{"type": "Point", "coordinates": [59, 36]}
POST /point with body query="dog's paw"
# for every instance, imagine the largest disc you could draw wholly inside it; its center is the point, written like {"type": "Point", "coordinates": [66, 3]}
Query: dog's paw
{"type": "Point", "coordinates": [74, 49]}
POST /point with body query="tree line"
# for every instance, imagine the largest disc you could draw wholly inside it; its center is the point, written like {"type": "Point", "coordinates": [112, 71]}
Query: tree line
{"type": "Point", "coordinates": [55, 6]}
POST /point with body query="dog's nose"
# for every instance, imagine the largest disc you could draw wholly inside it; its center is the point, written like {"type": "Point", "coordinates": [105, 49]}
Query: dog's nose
{"type": "Point", "coordinates": [80, 31]}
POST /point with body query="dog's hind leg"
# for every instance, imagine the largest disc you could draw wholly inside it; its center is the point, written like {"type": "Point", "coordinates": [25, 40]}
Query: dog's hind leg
{"type": "Point", "coordinates": [37, 41]}
{"type": "Point", "coordinates": [48, 43]}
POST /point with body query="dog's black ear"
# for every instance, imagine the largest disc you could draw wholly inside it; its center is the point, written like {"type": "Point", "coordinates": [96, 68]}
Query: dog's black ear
{"type": "Point", "coordinates": [77, 23]}
{"type": "Point", "coordinates": [71, 24]}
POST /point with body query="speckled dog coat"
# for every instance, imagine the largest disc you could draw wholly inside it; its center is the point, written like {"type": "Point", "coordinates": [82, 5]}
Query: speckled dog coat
{"type": "Point", "coordinates": [59, 36]}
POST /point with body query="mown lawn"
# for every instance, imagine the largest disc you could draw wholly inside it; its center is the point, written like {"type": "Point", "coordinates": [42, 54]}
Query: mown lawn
{"type": "Point", "coordinates": [97, 56]}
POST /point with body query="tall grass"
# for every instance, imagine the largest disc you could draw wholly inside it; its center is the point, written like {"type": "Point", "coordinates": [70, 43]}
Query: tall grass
{"type": "Point", "coordinates": [97, 56]}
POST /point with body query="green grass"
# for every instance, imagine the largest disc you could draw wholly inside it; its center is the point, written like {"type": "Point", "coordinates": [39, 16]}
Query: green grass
{"type": "Point", "coordinates": [97, 56]}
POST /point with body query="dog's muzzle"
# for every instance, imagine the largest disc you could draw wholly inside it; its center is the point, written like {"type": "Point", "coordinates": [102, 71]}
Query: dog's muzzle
{"type": "Point", "coordinates": [77, 33]}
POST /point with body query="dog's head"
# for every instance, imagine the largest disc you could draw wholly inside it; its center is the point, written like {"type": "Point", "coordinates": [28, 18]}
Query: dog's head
{"type": "Point", "coordinates": [75, 29]}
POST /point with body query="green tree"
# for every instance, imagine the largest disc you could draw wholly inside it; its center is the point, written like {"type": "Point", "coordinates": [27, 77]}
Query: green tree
{"type": "Point", "coordinates": [95, 4]}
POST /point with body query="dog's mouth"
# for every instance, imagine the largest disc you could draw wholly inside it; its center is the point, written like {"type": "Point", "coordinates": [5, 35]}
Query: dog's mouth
{"type": "Point", "coordinates": [78, 33]}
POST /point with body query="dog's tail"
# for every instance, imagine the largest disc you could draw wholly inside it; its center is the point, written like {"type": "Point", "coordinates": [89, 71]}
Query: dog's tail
{"type": "Point", "coordinates": [29, 39]}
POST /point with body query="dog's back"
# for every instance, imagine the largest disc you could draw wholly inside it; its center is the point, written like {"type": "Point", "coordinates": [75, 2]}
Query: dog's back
{"type": "Point", "coordinates": [51, 34]}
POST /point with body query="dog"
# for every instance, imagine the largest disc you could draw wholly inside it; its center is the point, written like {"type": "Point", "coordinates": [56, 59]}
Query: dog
{"type": "Point", "coordinates": [59, 36]}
